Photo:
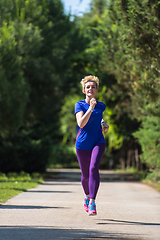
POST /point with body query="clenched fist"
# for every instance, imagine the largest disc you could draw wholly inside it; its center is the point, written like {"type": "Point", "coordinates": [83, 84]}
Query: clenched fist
{"type": "Point", "coordinates": [93, 102]}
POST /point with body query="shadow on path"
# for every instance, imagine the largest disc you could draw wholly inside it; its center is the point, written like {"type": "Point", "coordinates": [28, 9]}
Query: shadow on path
{"type": "Point", "coordinates": [121, 222]}
{"type": "Point", "coordinates": [48, 191]}
{"type": "Point", "coordinates": [27, 207]}
{"type": "Point", "coordinates": [49, 233]}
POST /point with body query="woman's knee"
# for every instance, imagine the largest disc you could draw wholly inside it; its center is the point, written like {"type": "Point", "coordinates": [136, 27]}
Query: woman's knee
{"type": "Point", "coordinates": [94, 169]}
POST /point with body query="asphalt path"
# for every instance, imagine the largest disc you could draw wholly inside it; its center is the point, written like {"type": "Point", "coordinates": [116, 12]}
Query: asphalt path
{"type": "Point", "coordinates": [54, 210]}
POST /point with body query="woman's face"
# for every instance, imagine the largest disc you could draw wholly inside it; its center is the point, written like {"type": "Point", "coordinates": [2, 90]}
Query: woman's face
{"type": "Point", "coordinates": [91, 89]}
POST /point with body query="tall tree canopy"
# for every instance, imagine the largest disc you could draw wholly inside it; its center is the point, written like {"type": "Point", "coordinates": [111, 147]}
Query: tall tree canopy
{"type": "Point", "coordinates": [129, 33]}
{"type": "Point", "coordinates": [34, 44]}
{"type": "Point", "coordinates": [43, 56]}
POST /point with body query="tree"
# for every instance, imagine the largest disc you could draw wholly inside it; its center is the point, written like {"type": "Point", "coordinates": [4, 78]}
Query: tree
{"type": "Point", "coordinates": [34, 41]}
{"type": "Point", "coordinates": [131, 45]}
{"type": "Point", "coordinates": [102, 50]}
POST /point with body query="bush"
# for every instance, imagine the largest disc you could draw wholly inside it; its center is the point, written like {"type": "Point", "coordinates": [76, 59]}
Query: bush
{"type": "Point", "coordinates": [63, 156]}
{"type": "Point", "coordinates": [154, 176]}
{"type": "Point", "coordinates": [28, 157]}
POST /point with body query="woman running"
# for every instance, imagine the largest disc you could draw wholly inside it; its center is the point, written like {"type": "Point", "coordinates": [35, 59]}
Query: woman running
{"type": "Point", "coordinates": [90, 142]}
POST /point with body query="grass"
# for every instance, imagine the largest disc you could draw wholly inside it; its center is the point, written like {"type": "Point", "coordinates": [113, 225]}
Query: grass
{"type": "Point", "coordinates": [152, 184]}
{"type": "Point", "coordinates": [153, 179]}
{"type": "Point", "coordinates": [12, 184]}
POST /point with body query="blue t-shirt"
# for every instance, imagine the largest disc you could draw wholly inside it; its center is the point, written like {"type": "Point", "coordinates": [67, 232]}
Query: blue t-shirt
{"type": "Point", "coordinates": [91, 133]}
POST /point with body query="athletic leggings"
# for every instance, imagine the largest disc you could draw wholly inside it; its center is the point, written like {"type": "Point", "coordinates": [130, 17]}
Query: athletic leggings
{"type": "Point", "coordinates": [89, 161]}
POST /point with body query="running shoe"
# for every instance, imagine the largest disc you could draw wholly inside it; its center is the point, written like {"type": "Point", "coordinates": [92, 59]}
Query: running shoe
{"type": "Point", "coordinates": [86, 203]}
{"type": "Point", "coordinates": [92, 208]}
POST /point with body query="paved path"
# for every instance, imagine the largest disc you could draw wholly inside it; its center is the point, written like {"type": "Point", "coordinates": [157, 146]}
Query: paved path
{"type": "Point", "coordinates": [54, 210]}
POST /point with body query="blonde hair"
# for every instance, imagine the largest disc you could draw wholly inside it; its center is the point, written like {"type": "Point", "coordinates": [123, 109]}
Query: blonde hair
{"type": "Point", "coordinates": [89, 78]}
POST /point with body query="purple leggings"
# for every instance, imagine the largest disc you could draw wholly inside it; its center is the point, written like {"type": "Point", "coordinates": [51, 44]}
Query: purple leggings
{"type": "Point", "coordinates": [89, 161]}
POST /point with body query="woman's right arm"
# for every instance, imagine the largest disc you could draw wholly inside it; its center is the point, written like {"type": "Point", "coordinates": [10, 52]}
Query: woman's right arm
{"type": "Point", "coordinates": [82, 118]}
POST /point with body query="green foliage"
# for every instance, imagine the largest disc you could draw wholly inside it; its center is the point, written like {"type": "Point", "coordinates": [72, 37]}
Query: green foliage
{"type": "Point", "coordinates": [14, 88]}
{"type": "Point", "coordinates": [129, 36]}
{"type": "Point", "coordinates": [43, 57]}
{"type": "Point", "coordinates": [21, 177]}
{"type": "Point", "coordinates": [149, 138]}
{"type": "Point", "coordinates": [154, 176]}
{"type": "Point", "coordinates": [13, 176]}
{"type": "Point", "coordinates": [68, 120]}
{"type": "Point", "coordinates": [113, 137]}
{"type": "Point", "coordinates": [63, 156]}
{"type": "Point", "coordinates": [153, 179]}
{"type": "Point", "coordinates": [34, 42]}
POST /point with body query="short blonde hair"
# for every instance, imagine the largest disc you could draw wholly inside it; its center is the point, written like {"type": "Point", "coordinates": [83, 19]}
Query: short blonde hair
{"type": "Point", "coordinates": [89, 78]}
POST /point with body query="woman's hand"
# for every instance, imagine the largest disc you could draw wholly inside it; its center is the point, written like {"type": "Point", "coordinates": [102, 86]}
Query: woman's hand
{"type": "Point", "coordinates": [82, 118]}
{"type": "Point", "coordinates": [93, 103]}
{"type": "Point", "coordinates": [105, 126]}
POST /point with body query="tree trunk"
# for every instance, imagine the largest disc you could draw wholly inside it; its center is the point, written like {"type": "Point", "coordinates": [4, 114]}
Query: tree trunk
{"type": "Point", "coordinates": [129, 154]}
{"type": "Point", "coordinates": [122, 157]}
{"type": "Point", "coordinates": [137, 159]}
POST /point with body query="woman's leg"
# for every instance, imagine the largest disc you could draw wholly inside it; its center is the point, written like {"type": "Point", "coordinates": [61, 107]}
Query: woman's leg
{"type": "Point", "coordinates": [94, 178]}
{"type": "Point", "coordinates": [83, 157]}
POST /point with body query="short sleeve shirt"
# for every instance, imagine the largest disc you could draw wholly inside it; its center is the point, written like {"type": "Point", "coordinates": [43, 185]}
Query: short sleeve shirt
{"type": "Point", "coordinates": [91, 133]}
